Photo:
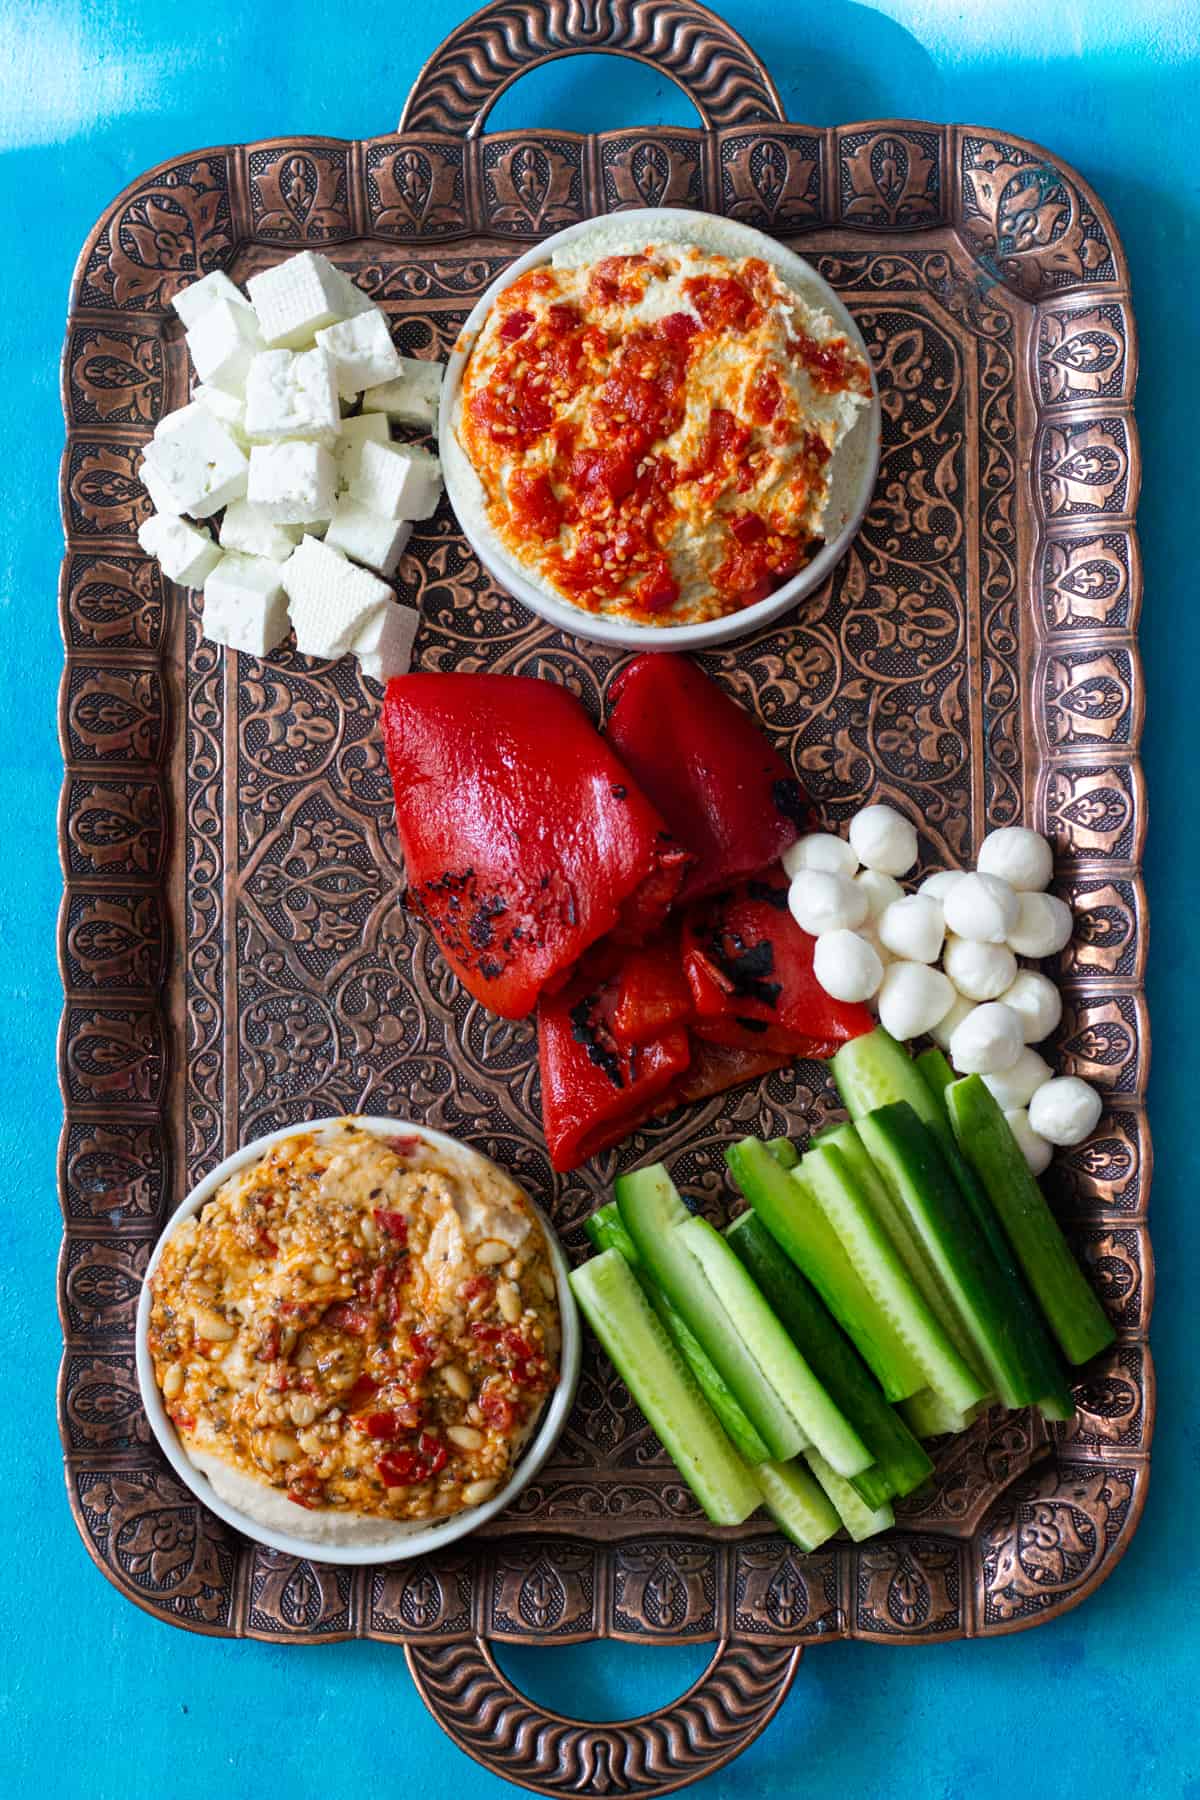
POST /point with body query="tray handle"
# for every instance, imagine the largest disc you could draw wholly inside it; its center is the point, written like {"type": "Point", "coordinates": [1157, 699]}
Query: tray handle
{"type": "Point", "coordinates": [717, 70]}
{"type": "Point", "coordinates": [722, 1712]}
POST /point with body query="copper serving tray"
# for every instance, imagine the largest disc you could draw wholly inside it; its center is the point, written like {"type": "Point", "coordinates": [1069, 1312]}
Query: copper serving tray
{"type": "Point", "coordinates": [234, 951]}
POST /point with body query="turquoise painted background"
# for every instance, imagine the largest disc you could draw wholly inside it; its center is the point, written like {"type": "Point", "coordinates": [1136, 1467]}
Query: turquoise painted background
{"type": "Point", "coordinates": [95, 1698]}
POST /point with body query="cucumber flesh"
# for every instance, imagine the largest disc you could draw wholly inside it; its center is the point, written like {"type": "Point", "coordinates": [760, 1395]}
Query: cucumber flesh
{"type": "Point", "coordinates": [861, 1521]}
{"type": "Point", "coordinates": [607, 1232]}
{"type": "Point", "coordinates": [650, 1210]}
{"type": "Point", "coordinates": [877, 1261]}
{"type": "Point", "coordinates": [790, 1213]}
{"type": "Point", "coordinates": [874, 1070]}
{"type": "Point", "coordinates": [784, 1152]}
{"type": "Point", "coordinates": [659, 1380]}
{"type": "Point", "coordinates": [928, 1415]}
{"type": "Point", "coordinates": [1071, 1309]}
{"type": "Point", "coordinates": [799, 1507]}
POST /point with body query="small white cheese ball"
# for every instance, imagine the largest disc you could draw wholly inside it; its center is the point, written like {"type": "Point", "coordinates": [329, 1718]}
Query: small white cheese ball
{"type": "Point", "coordinates": [1019, 856]}
{"type": "Point", "coordinates": [1017, 1086]}
{"type": "Point", "coordinates": [820, 850]}
{"type": "Point", "coordinates": [880, 890]}
{"type": "Point", "coordinates": [981, 907]}
{"type": "Point", "coordinates": [912, 999]}
{"type": "Point", "coordinates": [822, 902]}
{"type": "Point", "coordinates": [945, 1028]}
{"type": "Point", "coordinates": [938, 885]}
{"type": "Point", "coordinates": [988, 1040]}
{"type": "Point", "coordinates": [1036, 1002]}
{"type": "Point", "coordinates": [913, 928]}
{"type": "Point", "coordinates": [1042, 926]}
{"type": "Point", "coordinates": [1036, 1151]}
{"type": "Point", "coordinates": [1065, 1111]}
{"type": "Point", "coordinates": [883, 839]}
{"type": "Point", "coordinates": [979, 971]}
{"type": "Point", "coordinates": [847, 965]}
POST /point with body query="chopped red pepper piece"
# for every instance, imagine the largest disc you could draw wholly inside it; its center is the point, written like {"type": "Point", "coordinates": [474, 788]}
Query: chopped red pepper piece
{"type": "Point", "coordinates": [496, 1409]}
{"type": "Point", "coordinates": [344, 1316]}
{"type": "Point", "coordinates": [433, 1453]}
{"type": "Point", "coordinates": [394, 1223]}
{"type": "Point", "coordinates": [364, 1389]}
{"type": "Point", "coordinates": [724, 791]}
{"type": "Point", "coordinates": [523, 836]}
{"type": "Point", "coordinates": [397, 1468]}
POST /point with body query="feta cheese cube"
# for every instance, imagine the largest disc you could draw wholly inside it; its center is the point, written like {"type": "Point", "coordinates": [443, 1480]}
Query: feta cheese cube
{"type": "Point", "coordinates": [244, 604]}
{"type": "Point", "coordinates": [229, 409]}
{"type": "Point", "coordinates": [385, 645]}
{"type": "Point", "coordinates": [296, 299]}
{"type": "Point", "coordinates": [252, 530]}
{"type": "Point", "coordinates": [411, 397]}
{"type": "Point", "coordinates": [362, 350]}
{"type": "Point", "coordinates": [364, 536]}
{"type": "Point", "coordinates": [352, 437]}
{"type": "Point", "coordinates": [222, 343]}
{"type": "Point", "coordinates": [332, 601]}
{"type": "Point", "coordinates": [398, 481]}
{"type": "Point", "coordinates": [354, 301]}
{"type": "Point", "coordinates": [191, 301]}
{"type": "Point", "coordinates": [294, 481]}
{"type": "Point", "coordinates": [292, 394]}
{"type": "Point", "coordinates": [185, 553]}
{"type": "Point", "coordinates": [164, 501]}
{"type": "Point", "coordinates": [196, 462]}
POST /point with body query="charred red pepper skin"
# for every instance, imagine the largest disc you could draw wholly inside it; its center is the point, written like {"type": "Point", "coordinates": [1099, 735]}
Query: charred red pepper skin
{"type": "Point", "coordinates": [724, 791]}
{"type": "Point", "coordinates": [524, 838]}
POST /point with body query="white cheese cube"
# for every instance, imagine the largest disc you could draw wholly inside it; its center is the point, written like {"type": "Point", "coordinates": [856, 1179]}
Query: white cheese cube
{"type": "Point", "coordinates": [164, 500]}
{"type": "Point", "coordinates": [228, 409]}
{"type": "Point", "coordinates": [353, 435]}
{"type": "Point", "coordinates": [331, 601]}
{"type": "Point", "coordinates": [244, 605]}
{"type": "Point", "coordinates": [292, 394]}
{"type": "Point", "coordinates": [295, 481]}
{"type": "Point", "coordinates": [398, 481]}
{"type": "Point", "coordinates": [384, 649]}
{"type": "Point", "coordinates": [412, 396]}
{"type": "Point", "coordinates": [363, 535]}
{"type": "Point", "coordinates": [222, 344]}
{"type": "Point", "coordinates": [296, 299]}
{"type": "Point", "coordinates": [196, 462]}
{"type": "Point", "coordinates": [362, 351]}
{"type": "Point", "coordinates": [354, 301]}
{"type": "Point", "coordinates": [191, 301]}
{"type": "Point", "coordinates": [252, 530]}
{"type": "Point", "coordinates": [185, 553]}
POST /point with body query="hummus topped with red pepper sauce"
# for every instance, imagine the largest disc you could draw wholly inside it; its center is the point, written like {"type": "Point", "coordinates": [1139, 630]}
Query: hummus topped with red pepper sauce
{"type": "Point", "coordinates": [653, 431]}
{"type": "Point", "coordinates": [355, 1332]}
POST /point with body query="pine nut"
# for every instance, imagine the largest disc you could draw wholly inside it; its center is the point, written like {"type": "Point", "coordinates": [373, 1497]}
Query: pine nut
{"type": "Point", "coordinates": [547, 1283]}
{"type": "Point", "coordinates": [303, 1409]}
{"type": "Point", "coordinates": [491, 1252]}
{"type": "Point", "coordinates": [282, 1447]}
{"type": "Point", "coordinates": [476, 1492]}
{"type": "Point", "coordinates": [287, 1340]}
{"type": "Point", "coordinates": [465, 1436]}
{"type": "Point", "coordinates": [509, 1302]}
{"type": "Point", "coordinates": [368, 1232]}
{"type": "Point", "coordinates": [212, 1326]}
{"type": "Point", "coordinates": [306, 1356]}
{"type": "Point", "coordinates": [172, 1384]}
{"type": "Point", "coordinates": [457, 1381]}
{"type": "Point", "coordinates": [323, 1273]}
{"type": "Point", "coordinates": [512, 1267]}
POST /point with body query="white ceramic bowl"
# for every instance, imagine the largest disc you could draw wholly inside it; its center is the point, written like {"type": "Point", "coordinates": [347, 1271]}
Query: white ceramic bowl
{"type": "Point", "coordinates": [414, 1538]}
{"type": "Point", "coordinates": [854, 466]}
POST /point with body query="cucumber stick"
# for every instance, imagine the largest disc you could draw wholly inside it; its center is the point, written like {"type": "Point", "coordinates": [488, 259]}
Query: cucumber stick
{"type": "Point", "coordinates": [875, 1257]}
{"type": "Point", "coordinates": [797, 1503]}
{"type": "Point", "coordinates": [790, 1213]}
{"type": "Point", "coordinates": [861, 1521]}
{"type": "Point", "coordinates": [1072, 1310]}
{"type": "Point", "coordinates": [900, 1464]}
{"type": "Point", "coordinates": [822, 1423]}
{"type": "Point", "coordinates": [650, 1209]}
{"type": "Point", "coordinates": [617, 1310]}
{"type": "Point", "coordinates": [928, 1415]}
{"type": "Point", "coordinates": [784, 1152]}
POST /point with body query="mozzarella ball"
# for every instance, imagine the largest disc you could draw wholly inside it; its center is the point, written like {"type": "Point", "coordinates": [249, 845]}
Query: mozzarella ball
{"type": "Point", "coordinates": [1036, 1151]}
{"type": "Point", "coordinates": [820, 850]}
{"type": "Point", "coordinates": [912, 927]}
{"type": "Point", "coordinates": [847, 965]}
{"type": "Point", "coordinates": [912, 999]}
{"type": "Point", "coordinates": [883, 839]}
{"type": "Point", "coordinates": [938, 885]}
{"type": "Point", "coordinates": [1036, 1002]}
{"type": "Point", "coordinates": [988, 1040]}
{"type": "Point", "coordinates": [1042, 926]}
{"type": "Point", "coordinates": [1017, 1086]}
{"type": "Point", "coordinates": [979, 971]}
{"type": "Point", "coordinates": [1019, 856]}
{"type": "Point", "coordinates": [822, 902]}
{"type": "Point", "coordinates": [945, 1028]}
{"type": "Point", "coordinates": [1065, 1111]}
{"type": "Point", "coordinates": [880, 890]}
{"type": "Point", "coordinates": [981, 907]}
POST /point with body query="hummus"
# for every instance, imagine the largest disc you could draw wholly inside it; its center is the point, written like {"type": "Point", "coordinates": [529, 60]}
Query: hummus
{"type": "Point", "coordinates": [355, 1333]}
{"type": "Point", "coordinates": [651, 432]}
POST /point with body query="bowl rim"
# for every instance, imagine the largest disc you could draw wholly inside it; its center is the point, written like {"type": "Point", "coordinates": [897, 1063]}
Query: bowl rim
{"type": "Point", "coordinates": [619, 633]}
{"type": "Point", "coordinates": [408, 1542]}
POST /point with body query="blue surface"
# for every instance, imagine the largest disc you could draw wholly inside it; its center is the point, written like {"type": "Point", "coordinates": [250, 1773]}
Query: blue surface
{"type": "Point", "coordinates": [96, 1698]}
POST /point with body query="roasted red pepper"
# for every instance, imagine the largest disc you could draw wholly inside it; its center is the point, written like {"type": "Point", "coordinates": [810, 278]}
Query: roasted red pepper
{"type": "Point", "coordinates": [525, 840]}
{"type": "Point", "coordinates": [724, 791]}
{"type": "Point", "coordinates": [652, 992]}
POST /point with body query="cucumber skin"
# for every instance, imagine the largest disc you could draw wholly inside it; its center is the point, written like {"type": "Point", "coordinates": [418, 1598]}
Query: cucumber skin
{"type": "Point", "coordinates": [789, 1490]}
{"type": "Point", "coordinates": [1071, 1309]}
{"type": "Point", "coordinates": [901, 1464]}
{"type": "Point", "coordinates": [784, 1152]}
{"type": "Point", "coordinates": [701, 1442]}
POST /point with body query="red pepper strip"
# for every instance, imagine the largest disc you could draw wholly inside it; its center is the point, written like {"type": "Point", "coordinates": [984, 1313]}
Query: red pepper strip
{"type": "Point", "coordinates": [594, 1090]}
{"type": "Point", "coordinates": [750, 969]}
{"type": "Point", "coordinates": [652, 992]}
{"type": "Point", "coordinates": [724, 791]}
{"type": "Point", "coordinates": [715, 1067]}
{"type": "Point", "coordinates": [523, 836]}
